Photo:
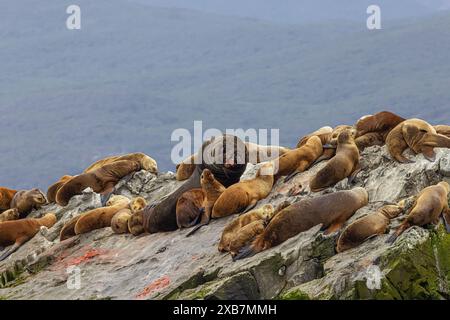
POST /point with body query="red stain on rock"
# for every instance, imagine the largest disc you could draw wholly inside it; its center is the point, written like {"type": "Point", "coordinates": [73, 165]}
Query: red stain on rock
{"type": "Point", "coordinates": [91, 253]}
{"type": "Point", "coordinates": [158, 284]}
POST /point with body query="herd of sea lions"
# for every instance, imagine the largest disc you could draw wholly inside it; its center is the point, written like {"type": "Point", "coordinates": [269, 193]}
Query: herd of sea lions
{"type": "Point", "coordinates": [212, 189]}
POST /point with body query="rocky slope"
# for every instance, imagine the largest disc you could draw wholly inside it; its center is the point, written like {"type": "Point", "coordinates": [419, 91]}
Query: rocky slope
{"type": "Point", "coordinates": [171, 266]}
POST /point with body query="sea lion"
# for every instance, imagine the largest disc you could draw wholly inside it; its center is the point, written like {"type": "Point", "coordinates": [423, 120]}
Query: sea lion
{"type": "Point", "coordinates": [69, 229]}
{"type": "Point", "coordinates": [18, 232]}
{"type": "Point", "coordinates": [226, 156]}
{"type": "Point", "coordinates": [331, 210]}
{"type": "Point", "coordinates": [101, 217]}
{"type": "Point", "coordinates": [54, 188]}
{"type": "Point", "coordinates": [298, 160]}
{"type": "Point", "coordinates": [189, 207]}
{"type": "Point", "coordinates": [146, 162]}
{"type": "Point", "coordinates": [244, 195]}
{"type": "Point", "coordinates": [212, 189]}
{"type": "Point", "coordinates": [323, 133]}
{"type": "Point", "coordinates": [369, 139]}
{"type": "Point", "coordinates": [185, 168]}
{"type": "Point", "coordinates": [6, 196]}
{"type": "Point", "coordinates": [101, 180]}
{"type": "Point", "coordinates": [245, 235]}
{"type": "Point", "coordinates": [431, 202]}
{"type": "Point", "coordinates": [119, 223]}
{"type": "Point", "coordinates": [366, 227]}
{"type": "Point", "coordinates": [381, 122]}
{"type": "Point", "coordinates": [344, 164]}
{"type": "Point", "coordinates": [10, 214]}
{"type": "Point", "coordinates": [265, 212]}
{"type": "Point", "coordinates": [27, 200]}
{"type": "Point", "coordinates": [259, 153]}
{"type": "Point", "coordinates": [443, 129]}
{"type": "Point", "coordinates": [137, 204]}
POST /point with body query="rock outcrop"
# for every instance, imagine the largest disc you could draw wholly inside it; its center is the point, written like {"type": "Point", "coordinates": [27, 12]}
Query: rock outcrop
{"type": "Point", "coordinates": [104, 265]}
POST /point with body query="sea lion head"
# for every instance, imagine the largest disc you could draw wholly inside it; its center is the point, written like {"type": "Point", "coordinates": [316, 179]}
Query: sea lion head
{"type": "Point", "coordinates": [12, 214]}
{"type": "Point", "coordinates": [207, 176]}
{"type": "Point", "coordinates": [445, 185]}
{"type": "Point", "coordinates": [346, 136]}
{"type": "Point", "coordinates": [117, 199]}
{"type": "Point", "coordinates": [268, 211]}
{"type": "Point", "coordinates": [38, 197]}
{"type": "Point", "coordinates": [149, 164]}
{"type": "Point", "coordinates": [137, 204]}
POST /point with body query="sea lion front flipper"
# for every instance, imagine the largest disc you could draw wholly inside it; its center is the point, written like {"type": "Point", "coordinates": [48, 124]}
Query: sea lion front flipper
{"type": "Point", "coordinates": [352, 177]}
{"type": "Point", "coordinates": [429, 153]}
{"type": "Point", "coordinates": [203, 222]}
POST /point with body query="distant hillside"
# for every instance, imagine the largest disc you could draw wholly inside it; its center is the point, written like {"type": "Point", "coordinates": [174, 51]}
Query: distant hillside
{"type": "Point", "coordinates": [135, 73]}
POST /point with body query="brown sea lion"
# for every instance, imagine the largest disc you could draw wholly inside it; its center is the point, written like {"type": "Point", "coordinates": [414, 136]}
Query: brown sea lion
{"type": "Point", "coordinates": [146, 162]}
{"type": "Point", "coordinates": [366, 227]}
{"type": "Point", "coordinates": [10, 214]}
{"type": "Point", "coordinates": [119, 223]}
{"type": "Point", "coordinates": [443, 129]}
{"type": "Point", "coordinates": [189, 207]}
{"type": "Point", "coordinates": [212, 190]}
{"type": "Point", "coordinates": [260, 153]}
{"type": "Point", "coordinates": [54, 188]}
{"type": "Point", "coordinates": [381, 122]}
{"type": "Point", "coordinates": [137, 204]}
{"type": "Point", "coordinates": [225, 156]}
{"type": "Point", "coordinates": [344, 164]}
{"type": "Point", "coordinates": [101, 217]}
{"type": "Point", "coordinates": [244, 195]}
{"type": "Point", "coordinates": [6, 196]}
{"type": "Point", "coordinates": [18, 232]}
{"type": "Point", "coordinates": [369, 139]}
{"type": "Point", "coordinates": [185, 168]}
{"type": "Point", "coordinates": [298, 160]}
{"type": "Point", "coordinates": [101, 180]}
{"type": "Point", "coordinates": [331, 210]}
{"type": "Point", "coordinates": [27, 200]}
{"type": "Point", "coordinates": [265, 212]}
{"type": "Point", "coordinates": [431, 202]}
{"type": "Point", "coordinates": [245, 235]}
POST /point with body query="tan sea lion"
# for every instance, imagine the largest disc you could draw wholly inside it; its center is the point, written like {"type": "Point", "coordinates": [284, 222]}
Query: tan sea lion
{"type": "Point", "coordinates": [18, 232]}
{"type": "Point", "coordinates": [27, 200]}
{"type": "Point", "coordinates": [54, 188]}
{"type": "Point", "coordinates": [431, 202]}
{"type": "Point", "coordinates": [381, 122]}
{"type": "Point", "coordinates": [244, 195]}
{"type": "Point", "coordinates": [10, 214]}
{"type": "Point", "coordinates": [344, 164]}
{"type": "Point", "coordinates": [298, 160]}
{"type": "Point", "coordinates": [119, 222]}
{"type": "Point", "coordinates": [189, 208]}
{"type": "Point", "coordinates": [212, 190]}
{"type": "Point", "coordinates": [6, 196]}
{"type": "Point", "coordinates": [265, 212]}
{"type": "Point", "coordinates": [101, 217]}
{"type": "Point", "coordinates": [331, 210]}
{"type": "Point", "coordinates": [101, 180]}
{"type": "Point", "coordinates": [146, 162]}
{"type": "Point", "coordinates": [366, 227]}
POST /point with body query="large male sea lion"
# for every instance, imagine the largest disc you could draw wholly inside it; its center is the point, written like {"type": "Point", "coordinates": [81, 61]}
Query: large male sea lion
{"type": "Point", "coordinates": [431, 202]}
{"type": "Point", "coordinates": [298, 160]}
{"type": "Point", "coordinates": [244, 195]}
{"type": "Point", "coordinates": [54, 188]}
{"type": "Point", "coordinates": [366, 227]}
{"type": "Point", "coordinates": [27, 200]}
{"type": "Point", "coordinates": [6, 196]}
{"type": "Point", "coordinates": [10, 214]}
{"type": "Point", "coordinates": [331, 210]}
{"type": "Point", "coordinates": [18, 232]}
{"type": "Point", "coordinates": [101, 180]}
{"type": "Point", "coordinates": [344, 164]}
{"type": "Point", "coordinates": [381, 122]}
{"type": "Point", "coordinates": [189, 207]}
{"type": "Point", "coordinates": [146, 162]}
{"type": "Point", "coordinates": [225, 156]}
{"type": "Point", "coordinates": [264, 213]}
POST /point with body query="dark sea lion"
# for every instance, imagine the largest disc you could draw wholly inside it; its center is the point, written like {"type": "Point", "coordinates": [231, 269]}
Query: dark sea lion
{"type": "Point", "coordinates": [54, 188]}
{"type": "Point", "coordinates": [27, 200]}
{"type": "Point", "coordinates": [344, 164]}
{"type": "Point", "coordinates": [101, 180]}
{"type": "Point", "coordinates": [18, 232]}
{"type": "Point", "coordinates": [431, 202]}
{"type": "Point", "coordinates": [331, 210]}
{"type": "Point", "coordinates": [225, 156]}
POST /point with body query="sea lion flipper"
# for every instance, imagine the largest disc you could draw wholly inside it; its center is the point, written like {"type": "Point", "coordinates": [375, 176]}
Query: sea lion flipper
{"type": "Point", "coordinates": [352, 177]}
{"type": "Point", "coordinates": [205, 218]}
{"type": "Point", "coordinates": [244, 252]}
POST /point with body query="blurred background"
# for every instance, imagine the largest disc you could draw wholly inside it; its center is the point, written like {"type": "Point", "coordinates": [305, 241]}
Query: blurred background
{"type": "Point", "coordinates": [138, 69]}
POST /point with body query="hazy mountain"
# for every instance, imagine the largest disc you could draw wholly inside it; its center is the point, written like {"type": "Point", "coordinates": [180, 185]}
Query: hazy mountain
{"type": "Point", "coordinates": [307, 11]}
{"type": "Point", "coordinates": [134, 73]}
